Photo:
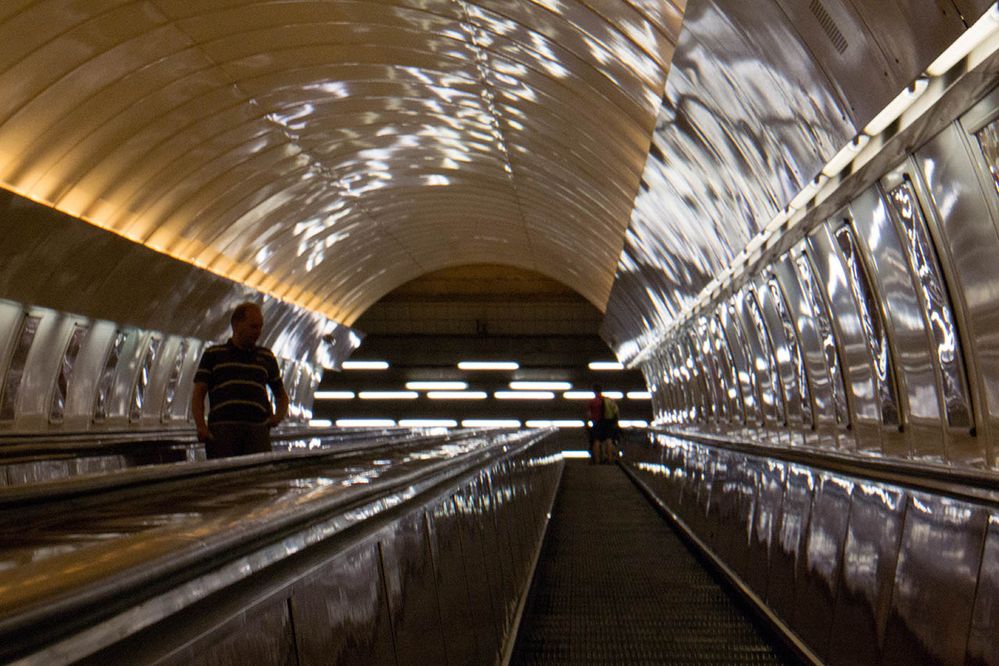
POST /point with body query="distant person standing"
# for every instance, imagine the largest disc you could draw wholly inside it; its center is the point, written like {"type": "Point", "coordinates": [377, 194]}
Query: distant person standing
{"type": "Point", "coordinates": [235, 376]}
{"type": "Point", "coordinates": [602, 420]}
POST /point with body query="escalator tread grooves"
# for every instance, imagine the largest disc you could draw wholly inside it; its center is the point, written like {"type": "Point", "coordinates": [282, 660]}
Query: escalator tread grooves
{"type": "Point", "coordinates": [615, 585]}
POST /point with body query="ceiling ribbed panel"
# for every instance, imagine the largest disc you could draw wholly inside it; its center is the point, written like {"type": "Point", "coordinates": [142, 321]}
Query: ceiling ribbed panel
{"type": "Point", "coordinates": [327, 152]}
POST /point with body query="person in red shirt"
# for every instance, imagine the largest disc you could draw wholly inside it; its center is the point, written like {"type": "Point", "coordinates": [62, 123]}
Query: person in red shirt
{"type": "Point", "coordinates": [602, 415]}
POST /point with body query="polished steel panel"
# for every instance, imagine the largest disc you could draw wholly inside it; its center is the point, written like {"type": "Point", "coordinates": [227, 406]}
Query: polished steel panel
{"type": "Point", "coordinates": [747, 119]}
{"type": "Point", "coordinates": [742, 354]}
{"type": "Point", "coordinates": [485, 610]}
{"type": "Point", "coordinates": [461, 626]}
{"type": "Point", "coordinates": [788, 549]}
{"type": "Point", "coordinates": [971, 243]}
{"type": "Point", "coordinates": [925, 269]}
{"type": "Point", "coordinates": [797, 381]}
{"type": "Point", "coordinates": [872, 322]}
{"type": "Point", "coordinates": [14, 372]}
{"type": "Point", "coordinates": [982, 645]}
{"type": "Point", "coordinates": [728, 370]}
{"type": "Point", "coordinates": [934, 592]}
{"type": "Point", "coordinates": [60, 391]}
{"type": "Point", "coordinates": [173, 380]}
{"type": "Point", "coordinates": [904, 330]}
{"type": "Point", "coordinates": [772, 479]}
{"type": "Point", "coordinates": [815, 312]}
{"type": "Point", "coordinates": [264, 635]}
{"type": "Point", "coordinates": [411, 592]}
{"type": "Point", "coordinates": [870, 554]}
{"type": "Point", "coordinates": [775, 395]}
{"type": "Point", "coordinates": [821, 566]}
{"type": "Point", "coordinates": [142, 378]}
{"type": "Point", "coordinates": [105, 385]}
{"type": "Point", "coordinates": [844, 44]}
{"type": "Point", "coordinates": [341, 614]}
{"type": "Point", "coordinates": [858, 375]}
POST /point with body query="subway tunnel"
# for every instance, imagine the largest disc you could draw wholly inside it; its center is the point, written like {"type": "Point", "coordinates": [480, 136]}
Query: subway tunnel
{"type": "Point", "coordinates": [779, 217]}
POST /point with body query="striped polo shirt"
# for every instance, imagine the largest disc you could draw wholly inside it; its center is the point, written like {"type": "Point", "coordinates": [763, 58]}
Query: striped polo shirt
{"type": "Point", "coordinates": [237, 381]}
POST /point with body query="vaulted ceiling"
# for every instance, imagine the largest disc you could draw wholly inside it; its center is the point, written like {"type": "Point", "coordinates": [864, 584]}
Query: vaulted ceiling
{"type": "Point", "coordinates": [328, 152]}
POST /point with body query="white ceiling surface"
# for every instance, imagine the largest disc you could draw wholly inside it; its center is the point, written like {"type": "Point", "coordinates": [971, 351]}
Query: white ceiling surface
{"type": "Point", "coordinates": [327, 152]}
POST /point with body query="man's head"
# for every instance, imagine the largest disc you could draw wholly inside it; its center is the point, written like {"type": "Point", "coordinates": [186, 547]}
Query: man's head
{"type": "Point", "coordinates": [597, 389]}
{"type": "Point", "coordinates": [247, 323]}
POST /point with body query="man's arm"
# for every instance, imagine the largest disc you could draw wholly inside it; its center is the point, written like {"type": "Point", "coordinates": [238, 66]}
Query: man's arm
{"type": "Point", "coordinates": [282, 407]}
{"type": "Point", "coordinates": [198, 410]}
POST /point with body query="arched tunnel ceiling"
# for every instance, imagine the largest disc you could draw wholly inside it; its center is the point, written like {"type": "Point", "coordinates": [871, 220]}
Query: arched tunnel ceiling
{"type": "Point", "coordinates": [327, 152]}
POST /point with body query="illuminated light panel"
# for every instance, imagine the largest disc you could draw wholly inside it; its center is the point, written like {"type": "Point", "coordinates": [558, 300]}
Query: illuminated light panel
{"type": "Point", "coordinates": [524, 395]}
{"type": "Point", "coordinates": [334, 395]}
{"type": "Point", "coordinates": [488, 365]}
{"type": "Point", "coordinates": [982, 29]}
{"type": "Point", "coordinates": [365, 423]}
{"type": "Point", "coordinates": [365, 365]}
{"type": "Point", "coordinates": [554, 424]}
{"type": "Point", "coordinates": [388, 395]}
{"type": "Point", "coordinates": [606, 365]}
{"type": "Point", "coordinates": [428, 423]}
{"type": "Point", "coordinates": [457, 395]}
{"type": "Point", "coordinates": [639, 395]}
{"type": "Point", "coordinates": [633, 424]}
{"type": "Point", "coordinates": [490, 423]}
{"type": "Point", "coordinates": [541, 386]}
{"type": "Point", "coordinates": [436, 386]}
{"type": "Point", "coordinates": [588, 395]}
{"type": "Point", "coordinates": [581, 455]}
{"type": "Point", "coordinates": [320, 423]}
{"type": "Point", "coordinates": [896, 107]}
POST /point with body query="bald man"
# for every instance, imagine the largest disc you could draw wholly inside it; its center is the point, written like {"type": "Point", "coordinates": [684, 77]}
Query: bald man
{"type": "Point", "coordinates": [235, 376]}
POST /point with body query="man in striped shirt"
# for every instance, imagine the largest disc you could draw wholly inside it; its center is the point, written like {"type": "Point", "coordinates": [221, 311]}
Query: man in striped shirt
{"type": "Point", "coordinates": [235, 376]}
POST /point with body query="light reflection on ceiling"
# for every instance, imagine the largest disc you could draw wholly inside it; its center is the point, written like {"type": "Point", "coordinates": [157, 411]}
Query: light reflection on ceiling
{"type": "Point", "coordinates": [325, 152]}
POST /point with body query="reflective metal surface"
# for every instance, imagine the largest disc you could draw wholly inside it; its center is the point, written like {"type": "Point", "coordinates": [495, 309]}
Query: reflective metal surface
{"type": "Point", "coordinates": [372, 597]}
{"type": "Point", "coordinates": [279, 146]}
{"type": "Point", "coordinates": [859, 570]}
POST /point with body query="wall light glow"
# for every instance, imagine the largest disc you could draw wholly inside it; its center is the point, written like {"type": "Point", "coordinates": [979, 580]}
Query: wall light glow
{"type": "Point", "coordinates": [488, 365]}
{"type": "Point", "coordinates": [320, 423]}
{"type": "Point", "coordinates": [334, 395]}
{"type": "Point", "coordinates": [639, 395]}
{"type": "Point", "coordinates": [606, 365]}
{"type": "Point", "coordinates": [490, 423]}
{"type": "Point", "coordinates": [436, 386]}
{"type": "Point", "coordinates": [524, 395]}
{"type": "Point", "coordinates": [554, 424]}
{"type": "Point", "coordinates": [541, 386]}
{"type": "Point", "coordinates": [457, 395]}
{"type": "Point", "coordinates": [365, 423]}
{"type": "Point", "coordinates": [428, 423]}
{"type": "Point", "coordinates": [388, 395]}
{"type": "Point", "coordinates": [365, 365]}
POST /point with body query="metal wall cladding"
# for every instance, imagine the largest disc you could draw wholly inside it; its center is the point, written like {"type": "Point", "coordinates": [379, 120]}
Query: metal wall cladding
{"type": "Point", "coordinates": [938, 568]}
{"type": "Point", "coordinates": [759, 97]}
{"type": "Point", "coordinates": [919, 399]}
{"type": "Point", "coordinates": [51, 260]}
{"type": "Point", "coordinates": [411, 591]}
{"type": "Point", "coordinates": [861, 571]}
{"type": "Point", "coordinates": [435, 579]}
{"type": "Point", "coordinates": [341, 613]}
{"type": "Point", "coordinates": [263, 636]}
{"type": "Point", "coordinates": [119, 377]}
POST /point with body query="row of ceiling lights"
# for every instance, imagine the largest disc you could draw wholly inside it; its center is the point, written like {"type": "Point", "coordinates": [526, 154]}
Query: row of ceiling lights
{"type": "Point", "coordinates": [474, 365]}
{"type": "Point", "coordinates": [465, 423]}
{"type": "Point", "coordinates": [476, 395]}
